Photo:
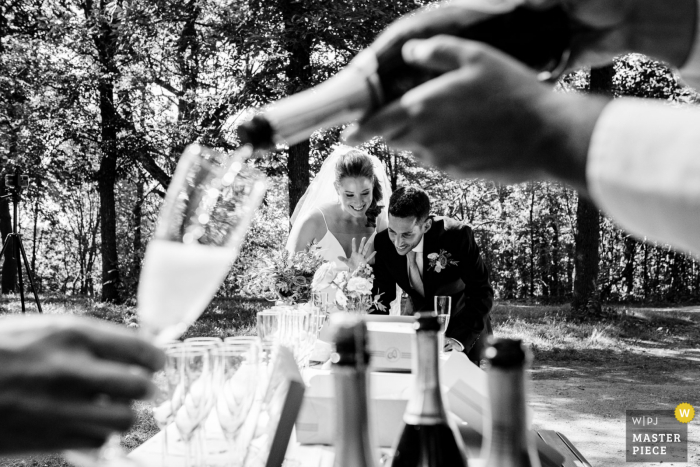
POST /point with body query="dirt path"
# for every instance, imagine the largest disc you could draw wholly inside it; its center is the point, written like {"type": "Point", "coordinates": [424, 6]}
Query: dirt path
{"type": "Point", "coordinates": [585, 398]}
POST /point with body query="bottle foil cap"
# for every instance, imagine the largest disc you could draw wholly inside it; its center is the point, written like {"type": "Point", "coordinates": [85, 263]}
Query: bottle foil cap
{"type": "Point", "coordinates": [426, 321]}
{"type": "Point", "coordinates": [349, 339]}
{"type": "Point", "coordinates": [506, 353]}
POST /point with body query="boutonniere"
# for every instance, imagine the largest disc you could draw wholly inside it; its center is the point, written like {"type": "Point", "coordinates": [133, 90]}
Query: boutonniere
{"type": "Point", "coordinates": [439, 261]}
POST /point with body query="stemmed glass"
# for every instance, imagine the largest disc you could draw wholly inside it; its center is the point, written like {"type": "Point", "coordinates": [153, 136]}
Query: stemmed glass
{"type": "Point", "coordinates": [443, 305]}
{"type": "Point", "coordinates": [210, 344]}
{"type": "Point", "coordinates": [208, 208]}
{"type": "Point", "coordinates": [206, 213]}
{"type": "Point", "coordinates": [297, 335]}
{"type": "Point", "coordinates": [268, 326]}
{"type": "Point", "coordinates": [197, 390]}
{"type": "Point", "coordinates": [239, 378]}
{"type": "Point", "coordinates": [319, 306]}
{"type": "Point", "coordinates": [169, 387]}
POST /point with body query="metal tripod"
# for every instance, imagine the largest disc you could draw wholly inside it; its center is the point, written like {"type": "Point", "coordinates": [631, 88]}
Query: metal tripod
{"type": "Point", "coordinates": [15, 239]}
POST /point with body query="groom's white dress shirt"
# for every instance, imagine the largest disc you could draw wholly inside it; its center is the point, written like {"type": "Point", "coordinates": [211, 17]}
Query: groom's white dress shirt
{"type": "Point", "coordinates": [419, 258]}
{"type": "Point", "coordinates": [643, 165]}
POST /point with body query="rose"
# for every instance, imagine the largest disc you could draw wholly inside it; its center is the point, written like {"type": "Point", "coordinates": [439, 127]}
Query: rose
{"type": "Point", "coordinates": [341, 279]}
{"type": "Point", "coordinates": [433, 256]}
{"type": "Point", "coordinates": [323, 276]}
{"type": "Point", "coordinates": [340, 299]}
{"type": "Point", "coordinates": [360, 285]}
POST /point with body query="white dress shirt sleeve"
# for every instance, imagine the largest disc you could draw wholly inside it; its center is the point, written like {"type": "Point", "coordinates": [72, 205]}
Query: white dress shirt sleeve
{"type": "Point", "coordinates": [643, 170]}
{"type": "Point", "coordinates": [690, 71]}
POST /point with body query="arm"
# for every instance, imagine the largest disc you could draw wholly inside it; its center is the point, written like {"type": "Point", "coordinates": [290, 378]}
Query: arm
{"type": "Point", "coordinates": [644, 170]}
{"type": "Point", "coordinates": [601, 29]}
{"type": "Point", "coordinates": [67, 382]}
{"type": "Point", "coordinates": [478, 291]}
{"type": "Point", "coordinates": [306, 230]}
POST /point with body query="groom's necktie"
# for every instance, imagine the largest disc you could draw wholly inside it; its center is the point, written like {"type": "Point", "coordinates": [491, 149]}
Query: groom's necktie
{"type": "Point", "coordinates": [414, 277]}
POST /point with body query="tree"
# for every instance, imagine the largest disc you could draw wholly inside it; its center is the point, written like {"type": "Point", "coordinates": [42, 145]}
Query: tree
{"type": "Point", "coordinates": [586, 292]}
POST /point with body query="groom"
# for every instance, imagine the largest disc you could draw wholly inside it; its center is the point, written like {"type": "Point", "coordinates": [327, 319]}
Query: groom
{"type": "Point", "coordinates": [428, 256]}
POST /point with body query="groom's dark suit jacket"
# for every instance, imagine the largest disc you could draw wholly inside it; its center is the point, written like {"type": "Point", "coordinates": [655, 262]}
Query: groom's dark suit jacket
{"type": "Point", "coordinates": [467, 282]}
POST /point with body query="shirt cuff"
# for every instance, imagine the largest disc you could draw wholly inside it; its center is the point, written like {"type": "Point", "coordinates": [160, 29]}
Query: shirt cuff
{"type": "Point", "coordinates": [643, 170]}
{"type": "Point", "coordinates": [690, 71]}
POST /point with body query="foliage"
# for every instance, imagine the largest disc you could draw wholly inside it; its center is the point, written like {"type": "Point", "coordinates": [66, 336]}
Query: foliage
{"type": "Point", "coordinates": [285, 277]}
{"type": "Point", "coordinates": [186, 71]}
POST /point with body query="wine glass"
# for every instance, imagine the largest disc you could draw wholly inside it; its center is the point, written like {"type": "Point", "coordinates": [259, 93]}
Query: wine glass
{"type": "Point", "coordinates": [443, 305]}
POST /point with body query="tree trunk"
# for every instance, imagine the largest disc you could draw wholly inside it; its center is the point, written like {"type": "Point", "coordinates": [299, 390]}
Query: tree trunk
{"type": "Point", "coordinates": [106, 39]}
{"type": "Point", "coordinates": [9, 266]}
{"type": "Point", "coordinates": [532, 240]}
{"type": "Point", "coordinates": [628, 271]}
{"type": "Point", "coordinates": [645, 272]}
{"type": "Point", "coordinates": [586, 260]}
{"type": "Point", "coordinates": [137, 216]}
{"type": "Point", "coordinates": [298, 73]}
{"type": "Point", "coordinates": [108, 231]}
{"type": "Point", "coordinates": [106, 179]}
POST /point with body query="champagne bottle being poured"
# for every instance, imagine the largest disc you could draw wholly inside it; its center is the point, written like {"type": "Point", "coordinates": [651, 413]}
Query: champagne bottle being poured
{"type": "Point", "coordinates": [379, 75]}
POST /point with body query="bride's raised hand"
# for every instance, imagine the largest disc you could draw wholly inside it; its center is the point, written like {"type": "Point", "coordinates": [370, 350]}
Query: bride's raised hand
{"type": "Point", "coordinates": [360, 255]}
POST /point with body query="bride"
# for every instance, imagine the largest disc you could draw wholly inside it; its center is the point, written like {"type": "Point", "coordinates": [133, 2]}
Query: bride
{"type": "Point", "coordinates": [343, 208]}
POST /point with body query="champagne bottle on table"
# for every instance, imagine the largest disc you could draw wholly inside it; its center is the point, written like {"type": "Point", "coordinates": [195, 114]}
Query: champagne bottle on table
{"type": "Point", "coordinates": [378, 75]}
{"type": "Point", "coordinates": [354, 445]}
{"type": "Point", "coordinates": [508, 442]}
{"type": "Point", "coordinates": [428, 437]}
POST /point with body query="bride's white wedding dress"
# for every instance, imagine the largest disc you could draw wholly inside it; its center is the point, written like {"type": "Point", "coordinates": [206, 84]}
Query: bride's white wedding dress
{"type": "Point", "coordinates": [330, 249]}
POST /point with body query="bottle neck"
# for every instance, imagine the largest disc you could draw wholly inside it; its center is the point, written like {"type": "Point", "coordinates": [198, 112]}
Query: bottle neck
{"type": "Point", "coordinates": [508, 436]}
{"type": "Point", "coordinates": [425, 405]}
{"type": "Point", "coordinates": [352, 430]}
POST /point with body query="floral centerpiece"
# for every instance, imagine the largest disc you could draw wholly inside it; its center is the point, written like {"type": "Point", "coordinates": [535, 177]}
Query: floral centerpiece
{"type": "Point", "coordinates": [286, 277]}
{"type": "Point", "coordinates": [353, 289]}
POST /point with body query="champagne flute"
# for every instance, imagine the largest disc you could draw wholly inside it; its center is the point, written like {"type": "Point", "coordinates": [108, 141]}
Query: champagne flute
{"type": "Point", "coordinates": [168, 384]}
{"type": "Point", "coordinates": [443, 305]}
{"type": "Point", "coordinates": [319, 303]}
{"type": "Point", "coordinates": [208, 208]}
{"type": "Point", "coordinates": [210, 344]}
{"type": "Point", "coordinates": [269, 326]}
{"type": "Point", "coordinates": [195, 395]}
{"type": "Point", "coordinates": [237, 388]}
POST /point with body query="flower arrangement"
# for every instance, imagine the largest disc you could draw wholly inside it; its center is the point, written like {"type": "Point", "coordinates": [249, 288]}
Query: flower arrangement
{"type": "Point", "coordinates": [440, 261]}
{"type": "Point", "coordinates": [284, 277]}
{"type": "Point", "coordinates": [351, 287]}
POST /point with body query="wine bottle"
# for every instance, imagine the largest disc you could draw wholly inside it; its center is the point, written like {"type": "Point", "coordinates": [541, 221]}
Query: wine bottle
{"type": "Point", "coordinates": [378, 75]}
{"type": "Point", "coordinates": [354, 447]}
{"type": "Point", "coordinates": [428, 437]}
{"type": "Point", "coordinates": [508, 442]}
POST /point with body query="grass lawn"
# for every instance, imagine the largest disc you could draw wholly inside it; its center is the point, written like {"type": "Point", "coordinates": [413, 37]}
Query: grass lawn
{"type": "Point", "coordinates": [585, 373]}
